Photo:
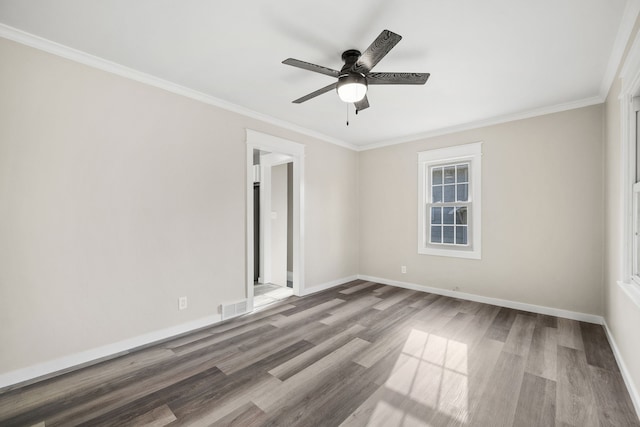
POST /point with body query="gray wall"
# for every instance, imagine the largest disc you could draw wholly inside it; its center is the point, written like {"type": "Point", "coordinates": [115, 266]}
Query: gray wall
{"type": "Point", "coordinates": [116, 198]}
{"type": "Point", "coordinates": [542, 213]}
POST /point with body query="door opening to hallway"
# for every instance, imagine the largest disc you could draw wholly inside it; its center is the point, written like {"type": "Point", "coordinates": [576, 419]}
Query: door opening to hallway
{"type": "Point", "coordinates": [273, 226]}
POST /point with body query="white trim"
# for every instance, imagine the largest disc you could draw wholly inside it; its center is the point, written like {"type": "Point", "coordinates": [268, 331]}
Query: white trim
{"type": "Point", "coordinates": [582, 317]}
{"type": "Point", "coordinates": [630, 75]}
{"type": "Point", "coordinates": [453, 152]}
{"type": "Point", "coordinates": [626, 171]}
{"type": "Point", "coordinates": [101, 353]}
{"type": "Point", "coordinates": [632, 291]}
{"type": "Point", "coordinates": [265, 220]}
{"type": "Point", "coordinates": [329, 285]}
{"type": "Point", "coordinates": [635, 232]}
{"type": "Point", "coordinates": [289, 276]}
{"type": "Point", "coordinates": [594, 100]}
{"type": "Point", "coordinates": [629, 72]}
{"type": "Point", "coordinates": [67, 52]}
{"type": "Point", "coordinates": [72, 54]}
{"type": "Point", "coordinates": [629, 16]}
{"type": "Point", "coordinates": [471, 153]}
{"type": "Point", "coordinates": [274, 144]}
{"type": "Point", "coordinates": [626, 376]}
{"type": "Point", "coordinates": [250, 230]}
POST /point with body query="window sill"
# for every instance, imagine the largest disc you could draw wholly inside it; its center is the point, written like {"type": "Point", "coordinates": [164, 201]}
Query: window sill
{"type": "Point", "coordinates": [452, 253]}
{"type": "Point", "coordinates": [632, 290]}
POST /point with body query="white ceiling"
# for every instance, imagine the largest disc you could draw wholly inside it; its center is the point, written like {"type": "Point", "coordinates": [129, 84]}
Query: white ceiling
{"type": "Point", "coordinates": [487, 58]}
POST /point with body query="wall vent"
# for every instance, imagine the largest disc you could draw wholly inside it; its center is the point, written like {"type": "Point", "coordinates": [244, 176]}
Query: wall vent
{"type": "Point", "coordinates": [234, 309]}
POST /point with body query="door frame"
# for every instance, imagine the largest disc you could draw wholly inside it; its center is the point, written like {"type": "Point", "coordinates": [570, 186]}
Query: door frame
{"type": "Point", "coordinates": [265, 142]}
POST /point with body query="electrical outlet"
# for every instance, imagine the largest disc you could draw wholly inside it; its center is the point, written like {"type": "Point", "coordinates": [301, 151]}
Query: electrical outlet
{"type": "Point", "coordinates": [182, 303]}
{"type": "Point", "coordinates": [403, 269]}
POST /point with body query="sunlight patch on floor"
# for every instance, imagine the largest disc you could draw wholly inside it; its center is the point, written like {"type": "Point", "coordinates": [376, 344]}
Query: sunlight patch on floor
{"type": "Point", "coordinates": [432, 372]}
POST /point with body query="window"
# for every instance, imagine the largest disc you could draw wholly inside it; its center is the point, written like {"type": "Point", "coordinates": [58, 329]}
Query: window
{"type": "Point", "coordinates": [630, 164]}
{"type": "Point", "coordinates": [635, 187]}
{"type": "Point", "coordinates": [449, 201]}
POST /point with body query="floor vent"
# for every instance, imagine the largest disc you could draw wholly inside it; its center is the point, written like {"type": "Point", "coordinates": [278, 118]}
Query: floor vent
{"type": "Point", "coordinates": [233, 310]}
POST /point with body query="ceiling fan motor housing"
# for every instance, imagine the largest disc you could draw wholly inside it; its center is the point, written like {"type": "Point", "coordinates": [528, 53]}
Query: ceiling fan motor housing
{"type": "Point", "coordinates": [350, 57]}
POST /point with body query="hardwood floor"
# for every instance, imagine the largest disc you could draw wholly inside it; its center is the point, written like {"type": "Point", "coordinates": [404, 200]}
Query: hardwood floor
{"type": "Point", "coordinates": [359, 354]}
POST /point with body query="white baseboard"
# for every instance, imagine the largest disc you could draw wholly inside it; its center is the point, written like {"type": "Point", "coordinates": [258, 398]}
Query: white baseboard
{"type": "Point", "coordinates": [101, 353]}
{"type": "Point", "coordinates": [583, 317]}
{"type": "Point", "coordinates": [328, 285]}
{"type": "Point", "coordinates": [111, 350]}
{"type": "Point", "coordinates": [633, 391]}
{"type": "Point", "coordinates": [84, 358]}
{"type": "Point", "coordinates": [290, 276]}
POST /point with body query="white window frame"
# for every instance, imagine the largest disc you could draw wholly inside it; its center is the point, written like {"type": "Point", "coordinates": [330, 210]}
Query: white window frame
{"type": "Point", "coordinates": [467, 153]}
{"type": "Point", "coordinates": [630, 75]}
{"type": "Point", "coordinates": [631, 122]}
{"type": "Point", "coordinates": [635, 235]}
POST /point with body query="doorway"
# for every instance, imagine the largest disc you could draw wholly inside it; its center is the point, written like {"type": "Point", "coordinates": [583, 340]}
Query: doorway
{"type": "Point", "coordinates": [274, 219]}
{"type": "Point", "coordinates": [273, 242]}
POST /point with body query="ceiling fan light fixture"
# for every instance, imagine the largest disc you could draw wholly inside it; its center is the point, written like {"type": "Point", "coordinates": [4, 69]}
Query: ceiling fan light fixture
{"type": "Point", "coordinates": [352, 87]}
{"type": "Point", "coordinates": [355, 75]}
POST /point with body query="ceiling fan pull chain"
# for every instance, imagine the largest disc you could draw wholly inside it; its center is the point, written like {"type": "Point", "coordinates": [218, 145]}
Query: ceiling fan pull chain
{"type": "Point", "coordinates": [347, 114]}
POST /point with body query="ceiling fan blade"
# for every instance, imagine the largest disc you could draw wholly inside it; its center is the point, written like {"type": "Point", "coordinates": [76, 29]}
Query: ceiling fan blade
{"type": "Point", "coordinates": [397, 78]}
{"type": "Point", "coordinates": [311, 67]}
{"type": "Point", "coordinates": [362, 104]}
{"type": "Point", "coordinates": [374, 53]}
{"type": "Point", "coordinates": [316, 93]}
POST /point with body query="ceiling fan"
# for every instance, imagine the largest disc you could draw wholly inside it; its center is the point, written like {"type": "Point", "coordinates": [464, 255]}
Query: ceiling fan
{"type": "Point", "coordinates": [356, 75]}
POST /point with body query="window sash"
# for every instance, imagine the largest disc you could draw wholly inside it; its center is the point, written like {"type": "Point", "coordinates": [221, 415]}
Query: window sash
{"type": "Point", "coordinates": [459, 186]}
{"type": "Point", "coordinates": [454, 227]}
{"type": "Point", "coordinates": [438, 177]}
{"type": "Point", "coordinates": [635, 228]}
{"type": "Point", "coordinates": [635, 276]}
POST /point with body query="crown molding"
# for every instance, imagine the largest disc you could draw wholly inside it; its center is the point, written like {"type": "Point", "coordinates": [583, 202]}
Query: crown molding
{"type": "Point", "coordinates": [37, 42]}
{"type": "Point", "coordinates": [629, 17]}
{"type": "Point", "coordinates": [489, 122]}
{"type": "Point", "coordinates": [629, 71]}
{"type": "Point", "coordinates": [84, 58]}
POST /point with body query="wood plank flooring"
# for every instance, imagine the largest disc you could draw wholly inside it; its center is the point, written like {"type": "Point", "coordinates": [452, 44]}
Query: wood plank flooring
{"type": "Point", "coordinates": [361, 354]}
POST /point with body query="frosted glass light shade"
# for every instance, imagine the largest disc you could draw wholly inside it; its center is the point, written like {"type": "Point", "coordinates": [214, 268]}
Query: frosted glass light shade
{"type": "Point", "coordinates": [352, 87]}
